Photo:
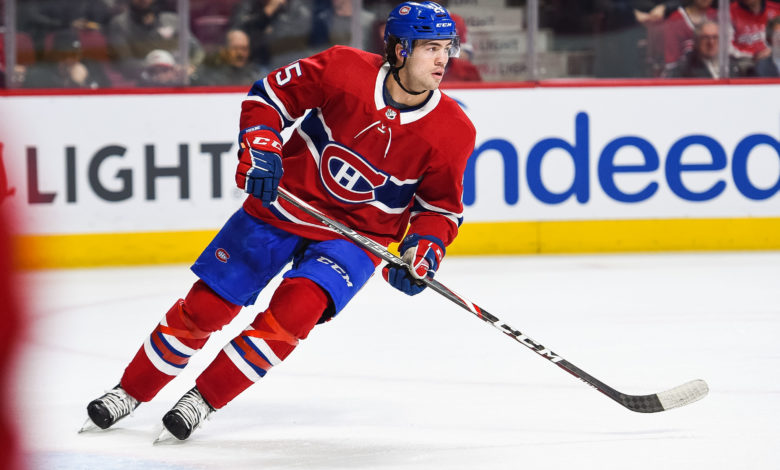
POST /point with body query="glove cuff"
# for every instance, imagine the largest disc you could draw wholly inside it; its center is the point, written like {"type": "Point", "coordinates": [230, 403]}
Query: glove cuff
{"type": "Point", "coordinates": [414, 238]}
{"type": "Point", "coordinates": [258, 128]}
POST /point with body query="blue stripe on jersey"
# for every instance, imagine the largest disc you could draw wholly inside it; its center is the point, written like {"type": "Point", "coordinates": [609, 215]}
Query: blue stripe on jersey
{"type": "Point", "coordinates": [278, 214]}
{"type": "Point", "coordinates": [315, 129]}
{"type": "Point", "coordinates": [258, 89]}
{"type": "Point", "coordinates": [395, 196]}
{"type": "Point", "coordinates": [260, 371]}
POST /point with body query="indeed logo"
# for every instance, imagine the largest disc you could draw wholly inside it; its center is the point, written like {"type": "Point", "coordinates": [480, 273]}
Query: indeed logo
{"type": "Point", "coordinates": [674, 169]}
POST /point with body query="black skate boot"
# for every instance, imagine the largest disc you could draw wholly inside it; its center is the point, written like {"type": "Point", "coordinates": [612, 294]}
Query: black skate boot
{"type": "Point", "coordinates": [188, 413]}
{"type": "Point", "coordinates": [110, 408]}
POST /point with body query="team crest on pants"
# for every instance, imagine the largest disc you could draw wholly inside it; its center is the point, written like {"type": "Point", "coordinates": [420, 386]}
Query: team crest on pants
{"type": "Point", "coordinates": [222, 255]}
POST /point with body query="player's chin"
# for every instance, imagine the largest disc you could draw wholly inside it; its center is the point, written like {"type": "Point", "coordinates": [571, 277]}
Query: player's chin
{"type": "Point", "coordinates": [436, 79]}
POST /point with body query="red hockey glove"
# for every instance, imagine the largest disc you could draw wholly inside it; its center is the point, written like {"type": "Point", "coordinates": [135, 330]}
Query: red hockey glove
{"type": "Point", "coordinates": [422, 253]}
{"type": "Point", "coordinates": [260, 163]}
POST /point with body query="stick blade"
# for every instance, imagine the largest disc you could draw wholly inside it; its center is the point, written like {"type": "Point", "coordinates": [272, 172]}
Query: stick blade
{"type": "Point", "coordinates": [676, 397]}
{"type": "Point", "coordinates": [683, 395]}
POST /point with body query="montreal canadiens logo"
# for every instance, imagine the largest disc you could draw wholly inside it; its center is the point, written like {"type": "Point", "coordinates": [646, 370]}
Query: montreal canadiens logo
{"type": "Point", "coordinates": [222, 255]}
{"type": "Point", "coordinates": [404, 10]}
{"type": "Point", "coordinates": [347, 176]}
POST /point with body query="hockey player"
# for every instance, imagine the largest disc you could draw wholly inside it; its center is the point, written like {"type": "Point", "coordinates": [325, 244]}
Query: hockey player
{"type": "Point", "coordinates": [382, 150]}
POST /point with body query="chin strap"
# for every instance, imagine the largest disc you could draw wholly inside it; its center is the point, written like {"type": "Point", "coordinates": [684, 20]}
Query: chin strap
{"type": "Point", "coordinates": [394, 71]}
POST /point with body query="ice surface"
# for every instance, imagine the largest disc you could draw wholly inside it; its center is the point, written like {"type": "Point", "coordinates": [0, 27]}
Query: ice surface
{"type": "Point", "coordinates": [418, 383]}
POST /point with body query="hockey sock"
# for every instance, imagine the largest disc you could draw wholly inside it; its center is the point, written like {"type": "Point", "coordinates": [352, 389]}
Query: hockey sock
{"type": "Point", "coordinates": [295, 308]}
{"type": "Point", "coordinates": [182, 331]}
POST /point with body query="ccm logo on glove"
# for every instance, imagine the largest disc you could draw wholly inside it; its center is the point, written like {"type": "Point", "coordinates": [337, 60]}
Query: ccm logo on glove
{"type": "Point", "coordinates": [261, 143]}
{"type": "Point", "coordinates": [260, 163]}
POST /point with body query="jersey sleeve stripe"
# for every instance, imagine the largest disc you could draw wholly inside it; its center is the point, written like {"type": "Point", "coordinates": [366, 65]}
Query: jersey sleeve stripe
{"type": "Point", "coordinates": [258, 93]}
{"type": "Point", "coordinates": [269, 104]}
{"type": "Point", "coordinates": [272, 95]}
{"type": "Point", "coordinates": [455, 220]}
{"type": "Point", "coordinates": [420, 206]}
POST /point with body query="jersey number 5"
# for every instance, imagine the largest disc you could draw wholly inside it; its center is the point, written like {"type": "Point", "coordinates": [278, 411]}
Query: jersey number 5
{"type": "Point", "coordinates": [284, 76]}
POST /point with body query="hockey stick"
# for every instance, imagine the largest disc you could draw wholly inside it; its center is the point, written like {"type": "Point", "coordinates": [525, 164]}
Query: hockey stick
{"type": "Point", "coordinates": [673, 398]}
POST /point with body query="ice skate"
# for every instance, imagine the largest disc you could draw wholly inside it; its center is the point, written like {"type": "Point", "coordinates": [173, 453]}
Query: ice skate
{"type": "Point", "coordinates": [105, 411]}
{"type": "Point", "coordinates": [188, 413]}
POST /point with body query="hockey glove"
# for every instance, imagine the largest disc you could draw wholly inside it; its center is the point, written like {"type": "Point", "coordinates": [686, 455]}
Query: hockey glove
{"type": "Point", "coordinates": [260, 163]}
{"type": "Point", "coordinates": [422, 254]}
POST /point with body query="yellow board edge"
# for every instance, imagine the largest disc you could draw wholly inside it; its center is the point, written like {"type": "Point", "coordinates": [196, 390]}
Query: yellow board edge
{"type": "Point", "coordinates": [109, 249]}
{"type": "Point", "coordinates": [489, 238]}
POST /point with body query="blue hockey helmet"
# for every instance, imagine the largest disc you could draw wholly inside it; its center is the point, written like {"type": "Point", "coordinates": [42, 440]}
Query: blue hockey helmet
{"type": "Point", "coordinates": [427, 20]}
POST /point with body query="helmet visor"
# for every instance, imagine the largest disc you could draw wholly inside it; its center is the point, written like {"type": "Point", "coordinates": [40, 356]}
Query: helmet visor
{"type": "Point", "coordinates": [430, 48]}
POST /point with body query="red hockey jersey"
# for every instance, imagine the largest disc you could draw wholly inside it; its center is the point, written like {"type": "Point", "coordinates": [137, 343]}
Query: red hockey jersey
{"type": "Point", "coordinates": [748, 36]}
{"type": "Point", "coordinates": [368, 165]}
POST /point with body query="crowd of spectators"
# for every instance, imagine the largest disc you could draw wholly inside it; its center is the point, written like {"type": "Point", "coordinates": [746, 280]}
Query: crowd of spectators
{"type": "Point", "coordinates": [656, 38]}
{"type": "Point", "coordinates": [126, 43]}
{"type": "Point", "coordinates": [118, 43]}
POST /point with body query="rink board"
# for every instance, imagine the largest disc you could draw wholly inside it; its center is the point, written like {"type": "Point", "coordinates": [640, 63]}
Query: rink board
{"type": "Point", "coordinates": [140, 177]}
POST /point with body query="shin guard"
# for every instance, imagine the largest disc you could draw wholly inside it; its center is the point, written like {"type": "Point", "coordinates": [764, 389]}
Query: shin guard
{"type": "Point", "coordinates": [182, 332]}
{"type": "Point", "coordinates": [295, 308]}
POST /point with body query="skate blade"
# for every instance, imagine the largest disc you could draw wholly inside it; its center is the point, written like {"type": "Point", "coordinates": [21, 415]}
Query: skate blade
{"type": "Point", "coordinates": [165, 437]}
{"type": "Point", "coordinates": [88, 426]}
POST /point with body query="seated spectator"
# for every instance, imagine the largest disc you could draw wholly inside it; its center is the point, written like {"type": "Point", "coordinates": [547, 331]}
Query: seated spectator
{"type": "Point", "coordinates": [64, 66]}
{"type": "Point", "coordinates": [278, 30]}
{"type": "Point", "coordinates": [141, 29]}
{"type": "Point", "coordinates": [748, 21]}
{"type": "Point", "coordinates": [25, 57]}
{"type": "Point", "coordinates": [332, 25]}
{"type": "Point", "coordinates": [770, 66]}
{"type": "Point", "coordinates": [679, 28]}
{"type": "Point", "coordinates": [620, 44]}
{"type": "Point", "coordinates": [209, 21]}
{"type": "Point", "coordinates": [40, 18]}
{"type": "Point", "coordinates": [160, 70]}
{"type": "Point", "coordinates": [256, 17]}
{"type": "Point", "coordinates": [651, 15]}
{"type": "Point", "coordinates": [702, 60]}
{"type": "Point", "coordinates": [230, 66]}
